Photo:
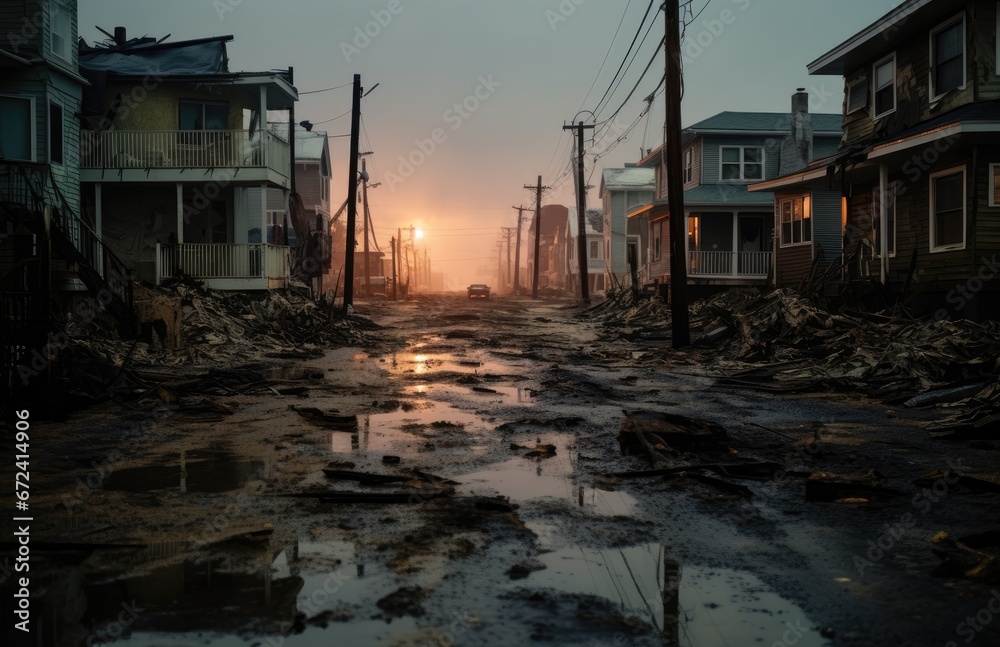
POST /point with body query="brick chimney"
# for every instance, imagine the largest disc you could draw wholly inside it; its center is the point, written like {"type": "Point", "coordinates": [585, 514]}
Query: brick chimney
{"type": "Point", "coordinates": [796, 150]}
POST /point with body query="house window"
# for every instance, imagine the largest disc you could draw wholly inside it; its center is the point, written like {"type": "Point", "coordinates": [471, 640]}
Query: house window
{"type": "Point", "coordinates": [324, 189]}
{"type": "Point", "coordinates": [203, 115]}
{"type": "Point", "coordinates": [995, 185]}
{"type": "Point", "coordinates": [948, 210]}
{"type": "Point", "coordinates": [857, 96]}
{"type": "Point", "coordinates": [688, 165]}
{"type": "Point", "coordinates": [595, 249]}
{"type": "Point", "coordinates": [877, 220]}
{"type": "Point", "coordinates": [948, 57]}
{"type": "Point", "coordinates": [742, 163]}
{"type": "Point", "coordinates": [884, 76]}
{"type": "Point", "coordinates": [796, 221]}
{"type": "Point", "coordinates": [60, 33]}
{"type": "Point", "coordinates": [17, 128]}
{"type": "Point", "coordinates": [657, 228]}
{"type": "Point", "coordinates": [55, 133]}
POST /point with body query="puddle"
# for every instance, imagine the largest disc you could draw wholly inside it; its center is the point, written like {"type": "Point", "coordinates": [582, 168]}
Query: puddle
{"type": "Point", "coordinates": [426, 363]}
{"type": "Point", "coordinates": [196, 471]}
{"type": "Point", "coordinates": [418, 426]}
{"type": "Point", "coordinates": [711, 606]}
{"type": "Point", "coordinates": [480, 393]}
{"type": "Point", "coordinates": [525, 479]}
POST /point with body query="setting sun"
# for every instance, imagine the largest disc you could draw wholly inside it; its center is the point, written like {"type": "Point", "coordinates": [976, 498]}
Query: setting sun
{"type": "Point", "coordinates": [418, 234]}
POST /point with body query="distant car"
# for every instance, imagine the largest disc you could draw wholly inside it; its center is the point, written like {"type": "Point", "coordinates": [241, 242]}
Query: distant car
{"type": "Point", "coordinates": [479, 290]}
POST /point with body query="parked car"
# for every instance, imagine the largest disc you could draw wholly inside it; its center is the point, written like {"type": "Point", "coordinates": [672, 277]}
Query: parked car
{"type": "Point", "coordinates": [479, 290]}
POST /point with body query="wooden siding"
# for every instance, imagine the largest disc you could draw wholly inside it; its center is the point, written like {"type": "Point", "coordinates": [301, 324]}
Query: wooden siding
{"type": "Point", "coordinates": [67, 94]}
{"type": "Point", "coordinates": [307, 183]}
{"type": "Point", "coordinates": [659, 268]}
{"type": "Point", "coordinates": [792, 265]}
{"type": "Point", "coordinates": [22, 26]}
{"type": "Point", "coordinates": [696, 151]}
{"type": "Point", "coordinates": [913, 80]}
{"type": "Point", "coordinates": [826, 224]}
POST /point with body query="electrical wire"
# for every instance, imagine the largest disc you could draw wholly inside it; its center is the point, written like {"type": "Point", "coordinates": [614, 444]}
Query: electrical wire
{"type": "Point", "coordinates": [629, 51]}
{"type": "Point", "coordinates": [336, 87]}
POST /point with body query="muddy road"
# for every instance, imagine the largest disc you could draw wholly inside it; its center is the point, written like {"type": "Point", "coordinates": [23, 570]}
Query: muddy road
{"type": "Point", "coordinates": [479, 499]}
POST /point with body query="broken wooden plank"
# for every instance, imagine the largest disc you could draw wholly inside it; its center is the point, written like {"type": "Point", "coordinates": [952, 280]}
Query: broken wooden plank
{"type": "Point", "coordinates": [677, 432]}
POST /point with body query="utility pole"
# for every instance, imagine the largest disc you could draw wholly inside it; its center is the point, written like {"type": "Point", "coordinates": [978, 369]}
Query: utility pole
{"type": "Point", "coordinates": [673, 162]}
{"type": "Point", "coordinates": [508, 232]}
{"type": "Point", "coordinates": [399, 241]}
{"type": "Point", "coordinates": [581, 209]}
{"type": "Point", "coordinates": [538, 230]}
{"type": "Point", "coordinates": [291, 148]}
{"type": "Point", "coordinates": [392, 244]}
{"type": "Point", "coordinates": [364, 198]}
{"type": "Point", "coordinates": [517, 254]}
{"type": "Point", "coordinates": [352, 195]}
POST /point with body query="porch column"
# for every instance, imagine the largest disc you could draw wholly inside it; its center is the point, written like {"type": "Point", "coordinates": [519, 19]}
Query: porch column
{"type": "Point", "coordinates": [262, 125]}
{"type": "Point", "coordinates": [883, 220]}
{"type": "Point", "coordinates": [735, 258]}
{"type": "Point", "coordinates": [180, 213]}
{"type": "Point", "coordinates": [263, 214]}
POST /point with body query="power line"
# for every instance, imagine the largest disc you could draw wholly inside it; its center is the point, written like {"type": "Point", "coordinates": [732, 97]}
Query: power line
{"type": "Point", "coordinates": [336, 87]}
{"type": "Point", "coordinates": [629, 51]}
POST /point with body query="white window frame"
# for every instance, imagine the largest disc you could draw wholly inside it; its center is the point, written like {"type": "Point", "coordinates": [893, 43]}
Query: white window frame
{"type": "Point", "coordinates": [688, 166]}
{"type": "Point", "coordinates": [932, 214]}
{"type": "Point", "coordinates": [57, 12]}
{"type": "Point", "coordinates": [851, 89]}
{"type": "Point", "coordinates": [806, 206]}
{"type": "Point", "coordinates": [959, 18]}
{"type": "Point", "coordinates": [743, 177]}
{"type": "Point", "coordinates": [595, 250]}
{"type": "Point", "coordinates": [993, 186]}
{"type": "Point", "coordinates": [48, 135]}
{"type": "Point", "coordinates": [33, 143]}
{"type": "Point", "coordinates": [874, 91]}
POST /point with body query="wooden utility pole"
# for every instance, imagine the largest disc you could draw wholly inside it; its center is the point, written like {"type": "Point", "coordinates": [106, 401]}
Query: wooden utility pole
{"type": "Point", "coordinates": [538, 231]}
{"type": "Point", "coordinates": [508, 232]}
{"type": "Point", "coordinates": [392, 245]}
{"type": "Point", "coordinates": [581, 209]}
{"type": "Point", "coordinates": [399, 241]}
{"type": "Point", "coordinates": [517, 254]}
{"type": "Point", "coordinates": [364, 197]}
{"type": "Point", "coordinates": [352, 194]}
{"type": "Point", "coordinates": [291, 150]}
{"type": "Point", "coordinates": [675, 182]}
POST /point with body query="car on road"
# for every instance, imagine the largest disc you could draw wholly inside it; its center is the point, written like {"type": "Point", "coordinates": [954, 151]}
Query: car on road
{"type": "Point", "coordinates": [479, 290]}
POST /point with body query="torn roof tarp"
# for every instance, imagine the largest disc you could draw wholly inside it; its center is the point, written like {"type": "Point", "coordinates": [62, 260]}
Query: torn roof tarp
{"type": "Point", "coordinates": [183, 58]}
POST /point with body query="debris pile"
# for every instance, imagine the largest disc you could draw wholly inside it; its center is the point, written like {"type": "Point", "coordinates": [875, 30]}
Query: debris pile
{"type": "Point", "coordinates": [230, 326]}
{"type": "Point", "coordinates": [780, 341]}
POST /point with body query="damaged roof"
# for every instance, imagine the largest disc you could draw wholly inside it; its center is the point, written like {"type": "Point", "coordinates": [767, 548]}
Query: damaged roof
{"type": "Point", "coordinates": [595, 222]}
{"type": "Point", "coordinates": [204, 56]}
{"type": "Point", "coordinates": [632, 177]}
{"type": "Point", "coordinates": [310, 146]}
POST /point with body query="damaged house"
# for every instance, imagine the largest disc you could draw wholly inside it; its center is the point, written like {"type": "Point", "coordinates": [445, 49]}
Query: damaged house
{"type": "Point", "coordinates": [623, 190]}
{"type": "Point", "coordinates": [917, 178]}
{"type": "Point", "coordinates": [593, 243]}
{"type": "Point", "coordinates": [51, 253]}
{"type": "Point", "coordinates": [173, 146]}
{"type": "Point", "coordinates": [731, 229]}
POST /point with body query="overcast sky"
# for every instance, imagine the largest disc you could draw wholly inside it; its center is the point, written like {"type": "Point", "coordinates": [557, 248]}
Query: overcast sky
{"type": "Point", "coordinates": [496, 81]}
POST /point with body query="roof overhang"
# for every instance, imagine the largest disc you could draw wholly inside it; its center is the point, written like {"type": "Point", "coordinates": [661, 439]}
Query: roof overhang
{"type": "Point", "coordinates": [806, 176]}
{"type": "Point", "coordinates": [933, 136]}
{"type": "Point", "coordinates": [881, 36]}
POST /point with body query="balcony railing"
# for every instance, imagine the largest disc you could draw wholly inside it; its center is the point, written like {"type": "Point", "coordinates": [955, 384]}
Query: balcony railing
{"type": "Point", "coordinates": [176, 149]}
{"type": "Point", "coordinates": [729, 264]}
{"type": "Point", "coordinates": [226, 265]}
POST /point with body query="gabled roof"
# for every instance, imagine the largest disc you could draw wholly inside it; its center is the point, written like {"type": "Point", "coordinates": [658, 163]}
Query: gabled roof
{"type": "Point", "coordinates": [632, 177]}
{"type": "Point", "coordinates": [771, 122]}
{"type": "Point", "coordinates": [884, 35]}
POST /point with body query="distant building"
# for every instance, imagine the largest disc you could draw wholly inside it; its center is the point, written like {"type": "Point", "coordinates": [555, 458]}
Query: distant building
{"type": "Point", "coordinates": [623, 190]}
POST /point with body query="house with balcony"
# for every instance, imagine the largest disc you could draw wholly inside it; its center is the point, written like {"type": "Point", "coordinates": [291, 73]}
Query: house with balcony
{"type": "Point", "coordinates": [173, 145]}
{"type": "Point", "coordinates": [730, 230]}
{"type": "Point", "coordinates": [918, 175]}
{"type": "Point", "coordinates": [623, 190]}
{"type": "Point", "coordinates": [50, 255]}
{"type": "Point", "coordinates": [594, 245]}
